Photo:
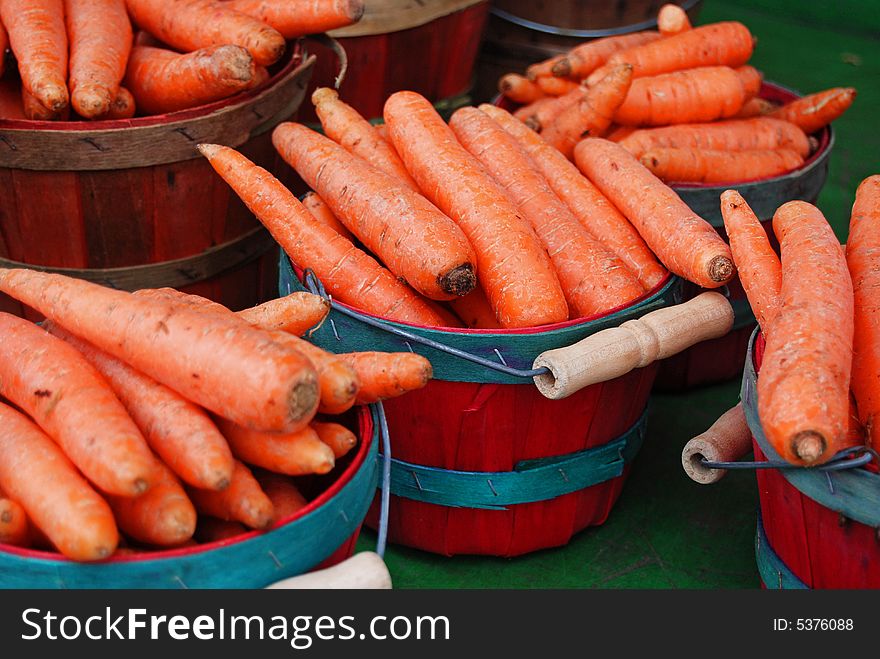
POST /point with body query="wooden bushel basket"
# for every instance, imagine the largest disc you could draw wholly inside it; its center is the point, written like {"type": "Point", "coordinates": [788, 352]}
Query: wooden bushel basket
{"type": "Point", "coordinates": [318, 536]}
{"type": "Point", "coordinates": [816, 529]}
{"type": "Point", "coordinates": [132, 204]}
{"type": "Point", "coordinates": [486, 464]}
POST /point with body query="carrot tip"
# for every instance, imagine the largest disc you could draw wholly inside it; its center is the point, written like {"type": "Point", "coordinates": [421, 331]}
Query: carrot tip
{"type": "Point", "coordinates": [356, 10]}
{"type": "Point", "coordinates": [141, 486]}
{"type": "Point", "coordinates": [808, 446]}
{"type": "Point", "coordinates": [222, 484]}
{"type": "Point", "coordinates": [562, 68]}
{"type": "Point", "coordinates": [303, 399]}
{"type": "Point", "coordinates": [460, 281]}
{"type": "Point", "coordinates": [322, 94]}
{"type": "Point", "coordinates": [208, 150]}
{"type": "Point", "coordinates": [6, 517]}
{"type": "Point", "coordinates": [720, 269]}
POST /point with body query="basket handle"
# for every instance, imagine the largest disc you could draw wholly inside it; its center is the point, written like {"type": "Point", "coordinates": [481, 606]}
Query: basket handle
{"type": "Point", "coordinates": [365, 570]}
{"type": "Point", "coordinates": [636, 343]}
{"type": "Point", "coordinates": [727, 440]}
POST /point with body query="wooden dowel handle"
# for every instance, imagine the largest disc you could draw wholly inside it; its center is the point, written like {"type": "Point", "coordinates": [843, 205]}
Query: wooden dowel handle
{"type": "Point", "coordinates": [636, 343]}
{"type": "Point", "coordinates": [365, 570]}
{"type": "Point", "coordinates": [727, 440]}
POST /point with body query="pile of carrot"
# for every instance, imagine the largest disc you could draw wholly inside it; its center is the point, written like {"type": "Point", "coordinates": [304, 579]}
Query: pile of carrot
{"type": "Point", "coordinates": [81, 59]}
{"type": "Point", "coordinates": [156, 419]}
{"type": "Point", "coordinates": [819, 311]}
{"type": "Point", "coordinates": [682, 99]}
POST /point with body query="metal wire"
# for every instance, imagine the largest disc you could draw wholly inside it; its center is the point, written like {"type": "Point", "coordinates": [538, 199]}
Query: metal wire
{"type": "Point", "coordinates": [382, 541]}
{"type": "Point", "coordinates": [842, 461]}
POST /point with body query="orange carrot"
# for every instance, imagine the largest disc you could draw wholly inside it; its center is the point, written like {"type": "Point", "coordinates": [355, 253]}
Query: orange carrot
{"type": "Point", "coordinates": [71, 402]}
{"type": "Point", "coordinates": [388, 375]}
{"type": "Point", "coordinates": [616, 133]}
{"type": "Point", "coordinates": [11, 106]}
{"type": "Point", "coordinates": [733, 135]}
{"type": "Point", "coordinates": [717, 44]}
{"type": "Point", "coordinates": [13, 524]}
{"type": "Point", "coordinates": [189, 25]}
{"type": "Point", "coordinates": [589, 56]}
{"type": "Point", "coordinates": [35, 473]}
{"type": "Point", "coordinates": [347, 273]}
{"type": "Point", "coordinates": [592, 209]}
{"type": "Point", "coordinates": [690, 96]}
{"type": "Point", "coordinates": [163, 81]}
{"type": "Point", "coordinates": [593, 278]}
{"type": "Point", "coordinates": [592, 116]}
{"type": "Point", "coordinates": [684, 242]}
{"type": "Point", "coordinates": [519, 89]}
{"type": "Point", "coordinates": [345, 126]}
{"type": "Point", "coordinates": [528, 113]}
{"type": "Point", "coordinates": [181, 433]}
{"type": "Point", "coordinates": [759, 268]}
{"type": "Point", "coordinates": [144, 38]}
{"type": "Point", "coordinates": [243, 501]}
{"type": "Point", "coordinates": [514, 270]}
{"type": "Point", "coordinates": [162, 516]}
{"type": "Point", "coordinates": [286, 499]}
{"type": "Point", "coordinates": [672, 19]}
{"type": "Point", "coordinates": [296, 18]}
{"type": "Point", "coordinates": [475, 311]}
{"type": "Point", "coordinates": [803, 388]}
{"type": "Point", "coordinates": [122, 107]}
{"type": "Point", "coordinates": [751, 80]}
{"type": "Point", "coordinates": [539, 115]}
{"type": "Point", "coordinates": [39, 40]}
{"type": "Point", "coordinates": [294, 454]}
{"type": "Point", "coordinates": [211, 529]}
{"type": "Point", "coordinates": [416, 241]}
{"type": "Point", "coordinates": [36, 111]}
{"type": "Point", "coordinates": [339, 438]}
{"type": "Point", "coordinates": [321, 212]}
{"type": "Point", "coordinates": [816, 111]}
{"type": "Point", "coordinates": [553, 86]}
{"type": "Point", "coordinates": [543, 68]}
{"type": "Point", "coordinates": [383, 132]}
{"type": "Point", "coordinates": [862, 255]}
{"type": "Point", "coordinates": [755, 107]}
{"type": "Point", "coordinates": [193, 353]}
{"type": "Point", "coordinates": [100, 40]}
{"type": "Point", "coordinates": [707, 166]}
{"type": "Point", "coordinates": [296, 313]}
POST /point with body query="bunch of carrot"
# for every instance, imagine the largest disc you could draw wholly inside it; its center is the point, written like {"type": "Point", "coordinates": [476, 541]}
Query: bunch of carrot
{"type": "Point", "coordinates": [82, 55]}
{"type": "Point", "coordinates": [478, 223]}
{"type": "Point", "coordinates": [681, 99]}
{"type": "Point", "coordinates": [818, 309]}
{"type": "Point", "coordinates": [167, 416]}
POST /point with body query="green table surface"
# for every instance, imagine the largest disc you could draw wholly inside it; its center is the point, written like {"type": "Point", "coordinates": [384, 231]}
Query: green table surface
{"type": "Point", "coordinates": [666, 531]}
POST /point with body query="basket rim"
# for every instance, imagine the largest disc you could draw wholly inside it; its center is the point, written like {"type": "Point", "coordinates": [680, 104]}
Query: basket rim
{"type": "Point", "coordinates": [366, 429]}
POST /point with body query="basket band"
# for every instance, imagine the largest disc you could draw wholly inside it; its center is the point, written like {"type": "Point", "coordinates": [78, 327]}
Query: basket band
{"type": "Point", "coordinates": [530, 481]}
{"type": "Point", "coordinates": [173, 274]}
{"type": "Point", "coordinates": [775, 574]}
{"type": "Point", "coordinates": [855, 493]}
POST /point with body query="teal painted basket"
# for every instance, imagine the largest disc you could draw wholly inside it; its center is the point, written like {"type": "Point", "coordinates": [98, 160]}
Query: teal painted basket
{"type": "Point", "coordinates": [321, 534]}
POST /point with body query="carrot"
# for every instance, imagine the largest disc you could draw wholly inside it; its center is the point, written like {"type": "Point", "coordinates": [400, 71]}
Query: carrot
{"type": "Point", "coordinates": [122, 107]}
{"type": "Point", "coordinates": [39, 40]}
{"type": "Point", "coordinates": [144, 38]}
{"type": "Point", "coordinates": [294, 454]}
{"type": "Point", "coordinates": [582, 60]}
{"type": "Point", "coordinates": [388, 375]}
{"type": "Point", "coordinates": [69, 400]}
{"type": "Point", "coordinates": [718, 44]}
{"type": "Point", "coordinates": [11, 106]}
{"type": "Point", "coordinates": [514, 270]}
{"type": "Point", "coordinates": [35, 473]}
{"type": "Point", "coordinates": [383, 132]}
{"type": "Point", "coordinates": [803, 388]}
{"type": "Point", "coordinates": [296, 18]}
{"type": "Point", "coordinates": [691, 96]}
{"type": "Point", "coordinates": [36, 111]}
{"type": "Point", "coordinates": [243, 501]}
{"type": "Point", "coordinates": [755, 107]}
{"type": "Point", "coordinates": [759, 268]}
{"type": "Point", "coordinates": [347, 273]}
{"type": "Point", "coordinates": [13, 524]}
{"type": "Point", "coordinates": [616, 133]}
{"type": "Point", "coordinates": [528, 113]}
{"type": "Point", "coordinates": [196, 355]}
{"type": "Point", "coordinates": [593, 278]}
{"type": "Point", "coordinates": [339, 438]}
{"type": "Point", "coordinates": [519, 89]}
{"type": "Point", "coordinates": [286, 499]}
{"type": "Point", "coordinates": [539, 115]}
{"type": "Point", "coordinates": [416, 241]}
{"type": "Point", "coordinates": [163, 81]}
{"type": "Point", "coordinates": [181, 433]}
{"type": "Point", "coordinates": [162, 516]}
{"type": "Point", "coordinates": [296, 313]}
{"type": "Point", "coordinates": [553, 86]}
{"type": "Point", "coordinates": [672, 19]}
{"type": "Point", "coordinates": [862, 254]}
{"type": "Point", "coordinates": [593, 114]}
{"type": "Point", "coordinates": [751, 80]}
{"type": "Point", "coordinates": [345, 126]}
{"type": "Point", "coordinates": [321, 212]}
{"type": "Point", "coordinates": [100, 40]}
{"type": "Point", "coordinates": [816, 111]}
{"type": "Point", "coordinates": [211, 529]}
{"type": "Point", "coordinates": [189, 25]}
{"type": "Point", "coordinates": [592, 209]}
{"type": "Point", "coordinates": [759, 133]}
{"type": "Point", "coordinates": [475, 311]}
{"type": "Point", "coordinates": [684, 242]}
{"type": "Point", "coordinates": [543, 68]}
{"type": "Point", "coordinates": [708, 166]}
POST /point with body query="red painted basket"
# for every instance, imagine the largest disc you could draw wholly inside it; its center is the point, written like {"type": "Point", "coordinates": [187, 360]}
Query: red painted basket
{"type": "Point", "coordinates": [318, 536]}
{"type": "Point", "coordinates": [816, 529]}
